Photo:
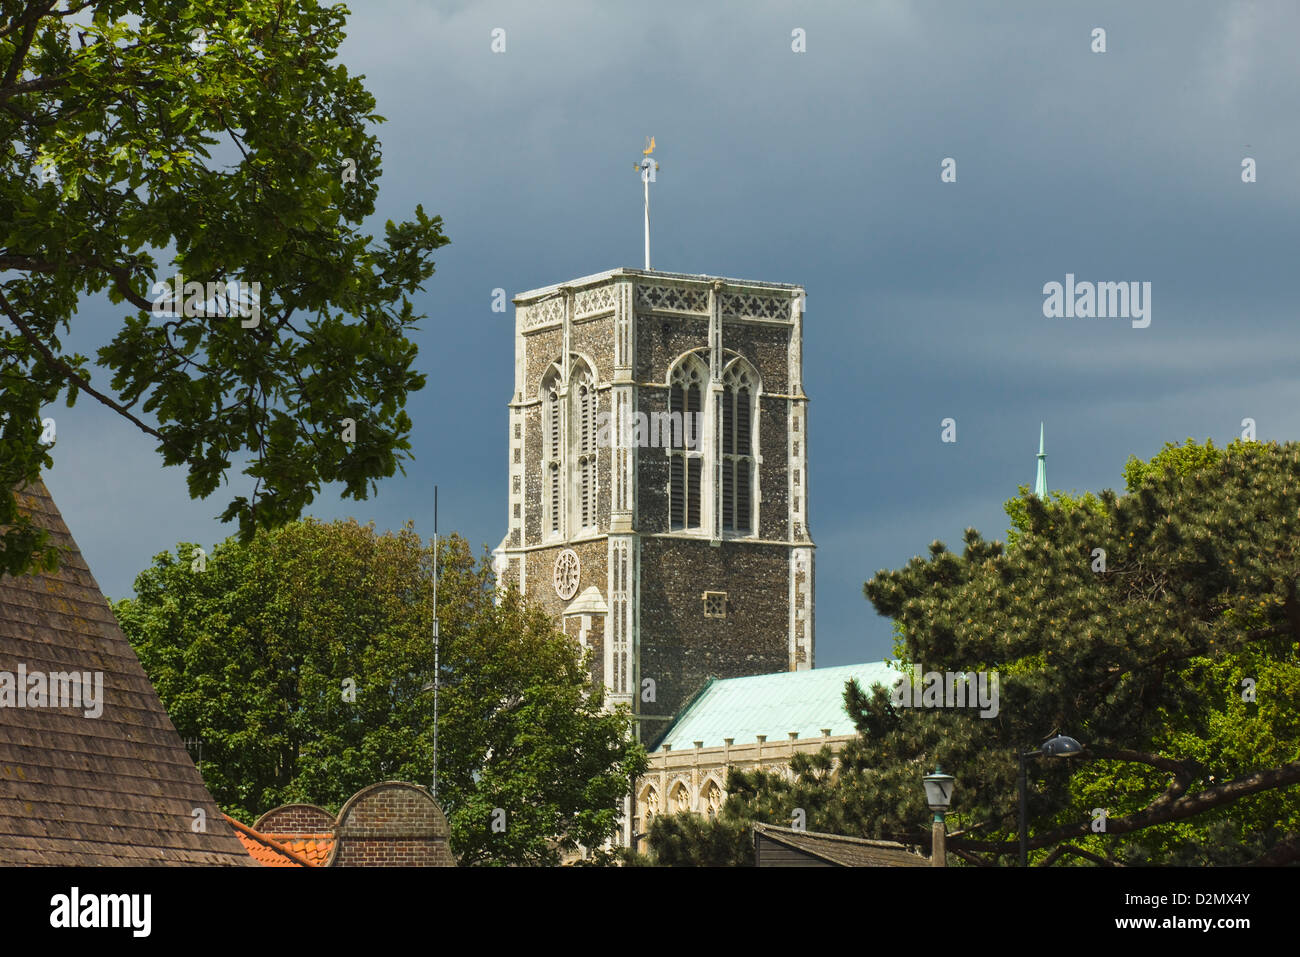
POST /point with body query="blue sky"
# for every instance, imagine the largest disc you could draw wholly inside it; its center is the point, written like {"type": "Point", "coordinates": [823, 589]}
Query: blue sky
{"type": "Point", "coordinates": [823, 168]}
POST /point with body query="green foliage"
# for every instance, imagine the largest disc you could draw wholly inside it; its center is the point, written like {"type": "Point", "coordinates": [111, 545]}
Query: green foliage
{"type": "Point", "coordinates": [614, 857]}
{"type": "Point", "coordinates": [1147, 663]}
{"type": "Point", "coordinates": [1058, 503]}
{"type": "Point", "coordinates": [1183, 460]}
{"type": "Point", "coordinates": [689, 840]}
{"type": "Point", "coordinates": [222, 160]}
{"type": "Point", "coordinates": [253, 655]}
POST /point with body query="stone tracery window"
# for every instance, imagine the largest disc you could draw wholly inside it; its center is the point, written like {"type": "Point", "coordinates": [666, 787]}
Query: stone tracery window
{"type": "Point", "coordinates": [715, 604]}
{"type": "Point", "coordinates": [681, 799]}
{"type": "Point", "coordinates": [651, 804]}
{"type": "Point", "coordinates": [712, 799]}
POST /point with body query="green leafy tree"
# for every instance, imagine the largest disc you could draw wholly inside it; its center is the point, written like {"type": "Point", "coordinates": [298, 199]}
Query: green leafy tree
{"type": "Point", "coordinates": [216, 138]}
{"type": "Point", "coordinates": [1177, 664]}
{"type": "Point", "coordinates": [303, 661]}
{"type": "Point", "coordinates": [1181, 459]}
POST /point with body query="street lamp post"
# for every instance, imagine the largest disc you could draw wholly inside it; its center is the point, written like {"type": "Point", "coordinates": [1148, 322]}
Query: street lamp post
{"type": "Point", "coordinates": [1060, 746]}
{"type": "Point", "coordinates": [938, 794]}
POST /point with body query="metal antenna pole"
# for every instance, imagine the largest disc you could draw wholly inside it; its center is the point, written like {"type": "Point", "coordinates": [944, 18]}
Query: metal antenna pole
{"type": "Point", "coordinates": [437, 670]}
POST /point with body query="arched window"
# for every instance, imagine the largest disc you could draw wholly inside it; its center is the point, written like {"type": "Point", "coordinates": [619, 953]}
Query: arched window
{"type": "Point", "coordinates": [681, 799]}
{"type": "Point", "coordinates": [738, 405]}
{"type": "Point", "coordinates": [712, 799]}
{"type": "Point", "coordinates": [686, 452]}
{"type": "Point", "coordinates": [552, 429]}
{"type": "Point", "coordinates": [583, 391]}
{"type": "Point", "coordinates": [651, 803]}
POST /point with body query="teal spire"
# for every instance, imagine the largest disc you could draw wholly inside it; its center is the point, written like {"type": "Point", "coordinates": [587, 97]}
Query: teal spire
{"type": "Point", "coordinates": [1040, 480]}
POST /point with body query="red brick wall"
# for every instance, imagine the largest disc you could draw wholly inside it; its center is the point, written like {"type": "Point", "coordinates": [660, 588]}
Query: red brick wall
{"type": "Point", "coordinates": [392, 825]}
{"type": "Point", "coordinates": [296, 819]}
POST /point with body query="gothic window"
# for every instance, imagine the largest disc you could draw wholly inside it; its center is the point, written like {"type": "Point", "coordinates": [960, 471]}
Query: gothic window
{"type": "Point", "coordinates": [738, 406]}
{"type": "Point", "coordinates": [552, 427]}
{"type": "Point", "coordinates": [686, 451]}
{"type": "Point", "coordinates": [681, 799]}
{"type": "Point", "coordinates": [712, 798]}
{"type": "Point", "coordinates": [583, 392]}
{"type": "Point", "coordinates": [651, 804]}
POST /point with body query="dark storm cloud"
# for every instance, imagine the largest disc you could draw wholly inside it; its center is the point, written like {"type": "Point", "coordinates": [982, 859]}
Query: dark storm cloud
{"type": "Point", "coordinates": [822, 168]}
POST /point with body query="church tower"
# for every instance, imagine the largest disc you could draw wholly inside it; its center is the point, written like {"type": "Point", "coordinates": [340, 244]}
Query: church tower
{"type": "Point", "coordinates": [658, 490]}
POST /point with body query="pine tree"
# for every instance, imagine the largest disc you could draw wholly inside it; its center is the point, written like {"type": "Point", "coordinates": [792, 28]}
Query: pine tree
{"type": "Point", "coordinates": [1176, 663]}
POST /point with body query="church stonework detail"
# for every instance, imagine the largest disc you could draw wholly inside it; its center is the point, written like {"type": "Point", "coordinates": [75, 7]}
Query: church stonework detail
{"type": "Point", "coordinates": [568, 572]}
{"type": "Point", "coordinates": [621, 540]}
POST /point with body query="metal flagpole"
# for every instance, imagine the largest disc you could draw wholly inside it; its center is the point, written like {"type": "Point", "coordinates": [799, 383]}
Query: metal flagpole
{"type": "Point", "coordinates": [437, 670]}
{"type": "Point", "coordinates": [648, 167]}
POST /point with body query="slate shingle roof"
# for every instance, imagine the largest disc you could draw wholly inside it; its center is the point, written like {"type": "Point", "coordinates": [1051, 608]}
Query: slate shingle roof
{"type": "Point", "coordinates": [843, 851]}
{"type": "Point", "coordinates": [119, 789]}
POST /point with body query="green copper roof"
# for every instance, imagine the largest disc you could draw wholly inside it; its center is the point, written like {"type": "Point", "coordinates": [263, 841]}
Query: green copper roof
{"type": "Point", "coordinates": [1040, 480]}
{"type": "Point", "coordinates": [774, 705]}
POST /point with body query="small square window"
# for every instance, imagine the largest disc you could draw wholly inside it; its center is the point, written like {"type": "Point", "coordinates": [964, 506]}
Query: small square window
{"type": "Point", "coordinates": [517, 456]}
{"type": "Point", "coordinates": [516, 430]}
{"type": "Point", "coordinates": [796, 423]}
{"type": "Point", "coordinates": [715, 604]}
{"type": "Point", "coordinates": [515, 484]}
{"type": "Point", "coordinates": [516, 509]}
{"type": "Point", "coordinates": [796, 448]}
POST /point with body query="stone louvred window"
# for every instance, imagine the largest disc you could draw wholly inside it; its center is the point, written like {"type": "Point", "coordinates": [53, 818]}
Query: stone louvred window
{"type": "Point", "coordinates": [569, 454]}
{"type": "Point", "coordinates": [551, 431]}
{"type": "Point", "coordinates": [685, 400]}
{"type": "Point", "coordinates": [585, 400]}
{"type": "Point", "coordinates": [738, 450]}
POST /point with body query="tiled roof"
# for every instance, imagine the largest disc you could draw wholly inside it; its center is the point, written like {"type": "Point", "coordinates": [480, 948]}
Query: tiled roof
{"type": "Point", "coordinates": [842, 850]}
{"type": "Point", "coordinates": [265, 850]}
{"type": "Point", "coordinates": [313, 848]}
{"type": "Point", "coordinates": [774, 705]}
{"type": "Point", "coordinates": [119, 788]}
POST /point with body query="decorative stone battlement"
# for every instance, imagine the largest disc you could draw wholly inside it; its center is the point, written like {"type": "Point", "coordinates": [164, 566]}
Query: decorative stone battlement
{"type": "Point", "coordinates": [658, 292]}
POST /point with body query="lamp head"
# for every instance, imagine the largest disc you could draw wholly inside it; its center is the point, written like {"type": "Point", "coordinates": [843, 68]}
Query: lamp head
{"type": "Point", "coordinates": [938, 789]}
{"type": "Point", "coordinates": [1062, 746]}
